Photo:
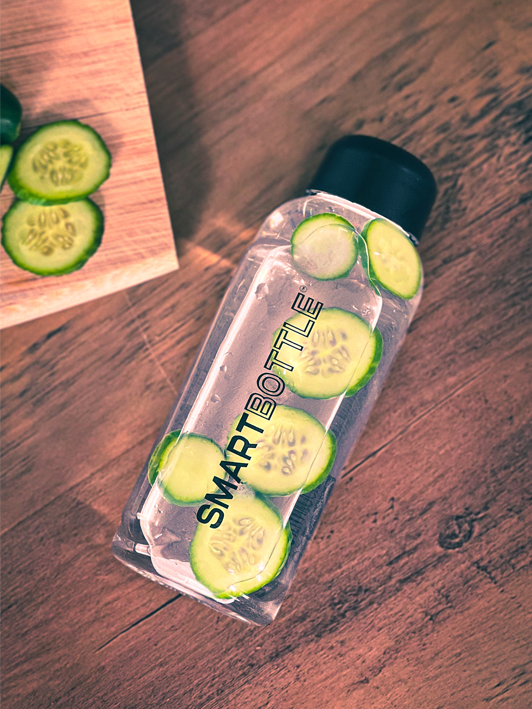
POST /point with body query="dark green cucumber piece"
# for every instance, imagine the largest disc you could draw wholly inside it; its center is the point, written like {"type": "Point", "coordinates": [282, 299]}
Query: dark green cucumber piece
{"type": "Point", "coordinates": [52, 241]}
{"type": "Point", "coordinates": [324, 246]}
{"type": "Point", "coordinates": [368, 363]}
{"type": "Point", "coordinates": [159, 457]}
{"type": "Point", "coordinates": [59, 163]}
{"type": "Point", "coordinates": [294, 452]}
{"type": "Point", "coordinates": [10, 115]}
{"type": "Point", "coordinates": [393, 259]}
{"type": "Point", "coordinates": [364, 261]}
{"type": "Point", "coordinates": [327, 365]}
{"type": "Point", "coordinates": [6, 154]}
{"type": "Point", "coordinates": [186, 470]}
{"type": "Point", "coordinates": [247, 551]}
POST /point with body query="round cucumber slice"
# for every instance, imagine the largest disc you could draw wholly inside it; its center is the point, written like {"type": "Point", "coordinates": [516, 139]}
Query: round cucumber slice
{"type": "Point", "coordinates": [368, 363]}
{"type": "Point", "coordinates": [324, 247]}
{"type": "Point", "coordinates": [159, 457]}
{"type": "Point", "coordinates": [187, 469]}
{"type": "Point", "coordinates": [294, 452]}
{"type": "Point", "coordinates": [245, 553]}
{"type": "Point", "coordinates": [393, 258]}
{"type": "Point", "coordinates": [52, 241]}
{"type": "Point", "coordinates": [59, 163]}
{"type": "Point", "coordinates": [331, 354]}
{"type": "Point", "coordinates": [6, 153]}
{"type": "Point", "coordinates": [10, 115]}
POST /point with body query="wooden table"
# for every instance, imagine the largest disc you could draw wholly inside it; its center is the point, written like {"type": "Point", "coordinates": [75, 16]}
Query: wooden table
{"type": "Point", "coordinates": [415, 593]}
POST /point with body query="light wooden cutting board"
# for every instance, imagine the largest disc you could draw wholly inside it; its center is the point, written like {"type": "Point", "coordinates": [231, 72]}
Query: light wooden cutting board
{"type": "Point", "coordinates": [72, 59]}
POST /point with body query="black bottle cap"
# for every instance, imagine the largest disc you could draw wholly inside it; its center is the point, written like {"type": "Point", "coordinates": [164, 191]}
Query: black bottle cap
{"type": "Point", "coordinates": [379, 176]}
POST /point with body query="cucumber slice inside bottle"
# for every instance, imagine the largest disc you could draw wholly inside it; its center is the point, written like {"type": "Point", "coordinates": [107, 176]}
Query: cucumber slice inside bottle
{"type": "Point", "coordinates": [52, 241]}
{"type": "Point", "coordinates": [393, 258]}
{"type": "Point", "coordinates": [247, 551]}
{"type": "Point", "coordinates": [293, 453]}
{"type": "Point", "coordinates": [10, 115]}
{"type": "Point", "coordinates": [159, 457]}
{"type": "Point", "coordinates": [327, 366]}
{"type": "Point", "coordinates": [187, 468]}
{"type": "Point", "coordinates": [6, 154]}
{"type": "Point", "coordinates": [324, 246]}
{"type": "Point", "coordinates": [368, 363]}
{"type": "Point", "coordinates": [59, 163]}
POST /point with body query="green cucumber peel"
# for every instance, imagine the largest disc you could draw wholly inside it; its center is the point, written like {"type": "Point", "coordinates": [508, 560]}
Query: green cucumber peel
{"type": "Point", "coordinates": [331, 441]}
{"type": "Point", "coordinates": [376, 341]}
{"type": "Point", "coordinates": [160, 455]}
{"type": "Point", "coordinates": [6, 159]}
{"type": "Point", "coordinates": [366, 265]}
{"type": "Point", "coordinates": [10, 116]}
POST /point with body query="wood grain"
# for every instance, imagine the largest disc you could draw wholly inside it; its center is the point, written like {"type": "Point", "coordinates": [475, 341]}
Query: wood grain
{"type": "Point", "coordinates": [67, 62]}
{"type": "Point", "coordinates": [415, 592]}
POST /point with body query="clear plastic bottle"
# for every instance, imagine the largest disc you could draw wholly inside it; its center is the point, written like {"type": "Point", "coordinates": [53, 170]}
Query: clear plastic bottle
{"type": "Point", "coordinates": [241, 368]}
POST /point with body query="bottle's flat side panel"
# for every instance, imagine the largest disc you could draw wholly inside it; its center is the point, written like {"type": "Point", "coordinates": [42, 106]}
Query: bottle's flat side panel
{"type": "Point", "coordinates": [267, 238]}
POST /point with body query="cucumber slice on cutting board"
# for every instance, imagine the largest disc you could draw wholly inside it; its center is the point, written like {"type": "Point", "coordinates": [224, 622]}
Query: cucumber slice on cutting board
{"type": "Point", "coordinates": [10, 115]}
{"type": "Point", "coordinates": [52, 241]}
{"type": "Point", "coordinates": [247, 551]}
{"type": "Point", "coordinates": [159, 457]}
{"type": "Point", "coordinates": [59, 163]}
{"type": "Point", "coordinates": [293, 453]}
{"type": "Point", "coordinates": [368, 363]}
{"type": "Point", "coordinates": [329, 361]}
{"type": "Point", "coordinates": [393, 258]}
{"type": "Point", "coordinates": [6, 153]}
{"type": "Point", "coordinates": [187, 468]}
{"type": "Point", "coordinates": [324, 246]}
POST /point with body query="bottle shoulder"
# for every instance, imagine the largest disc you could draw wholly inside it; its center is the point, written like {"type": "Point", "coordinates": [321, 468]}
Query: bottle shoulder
{"type": "Point", "coordinates": [278, 227]}
{"type": "Point", "coordinates": [280, 224]}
